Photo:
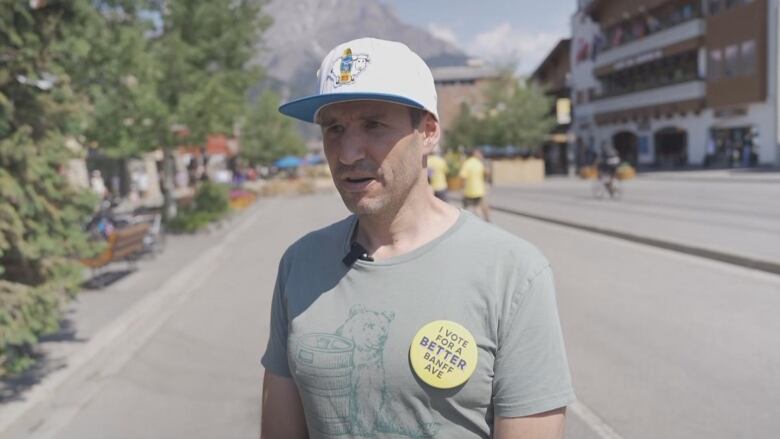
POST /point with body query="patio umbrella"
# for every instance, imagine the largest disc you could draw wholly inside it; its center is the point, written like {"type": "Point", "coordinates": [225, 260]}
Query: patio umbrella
{"type": "Point", "coordinates": [288, 162]}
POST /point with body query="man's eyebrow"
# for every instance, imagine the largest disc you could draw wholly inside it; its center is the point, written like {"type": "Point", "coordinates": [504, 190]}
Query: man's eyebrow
{"type": "Point", "coordinates": [371, 116]}
{"type": "Point", "coordinates": [329, 120]}
{"type": "Point", "coordinates": [325, 120]}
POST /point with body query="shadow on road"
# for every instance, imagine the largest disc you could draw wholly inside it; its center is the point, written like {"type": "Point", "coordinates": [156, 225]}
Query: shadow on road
{"type": "Point", "coordinates": [12, 388]}
{"type": "Point", "coordinates": [106, 278]}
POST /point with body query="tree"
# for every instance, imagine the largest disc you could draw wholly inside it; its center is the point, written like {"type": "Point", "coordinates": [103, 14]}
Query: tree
{"type": "Point", "coordinates": [267, 135]}
{"type": "Point", "coordinates": [204, 52]}
{"type": "Point", "coordinates": [40, 213]}
{"type": "Point", "coordinates": [519, 113]}
{"type": "Point", "coordinates": [119, 75]}
{"type": "Point", "coordinates": [514, 113]}
{"type": "Point", "coordinates": [163, 73]}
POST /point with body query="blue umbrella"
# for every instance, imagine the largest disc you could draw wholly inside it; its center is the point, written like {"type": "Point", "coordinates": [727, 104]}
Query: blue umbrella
{"type": "Point", "coordinates": [288, 162]}
{"type": "Point", "coordinates": [314, 159]}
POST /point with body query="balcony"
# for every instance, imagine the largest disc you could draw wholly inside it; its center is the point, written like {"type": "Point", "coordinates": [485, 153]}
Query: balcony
{"type": "Point", "coordinates": [681, 32]}
{"type": "Point", "coordinates": [683, 91]}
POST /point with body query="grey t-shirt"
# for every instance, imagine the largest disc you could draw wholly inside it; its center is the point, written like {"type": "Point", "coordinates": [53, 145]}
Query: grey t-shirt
{"type": "Point", "coordinates": [343, 334]}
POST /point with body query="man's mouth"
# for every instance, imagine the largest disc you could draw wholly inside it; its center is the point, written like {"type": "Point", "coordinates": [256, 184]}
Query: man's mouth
{"type": "Point", "coordinates": [356, 183]}
{"type": "Point", "coordinates": [358, 179]}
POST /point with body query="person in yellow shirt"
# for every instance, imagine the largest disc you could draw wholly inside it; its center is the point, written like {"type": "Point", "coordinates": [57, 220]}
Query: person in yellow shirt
{"type": "Point", "coordinates": [437, 174]}
{"type": "Point", "coordinates": [473, 173]}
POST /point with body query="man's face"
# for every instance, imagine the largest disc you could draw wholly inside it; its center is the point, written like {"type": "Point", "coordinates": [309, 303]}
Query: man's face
{"type": "Point", "coordinates": [374, 154]}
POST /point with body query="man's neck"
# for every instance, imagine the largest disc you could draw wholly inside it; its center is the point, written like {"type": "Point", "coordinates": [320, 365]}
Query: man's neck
{"type": "Point", "coordinates": [421, 219]}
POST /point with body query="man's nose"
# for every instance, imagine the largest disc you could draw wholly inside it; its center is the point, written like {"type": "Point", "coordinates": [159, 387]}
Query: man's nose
{"type": "Point", "coordinates": [353, 147]}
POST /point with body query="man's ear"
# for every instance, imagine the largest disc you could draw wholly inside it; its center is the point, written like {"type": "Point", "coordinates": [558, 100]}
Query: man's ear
{"type": "Point", "coordinates": [431, 131]}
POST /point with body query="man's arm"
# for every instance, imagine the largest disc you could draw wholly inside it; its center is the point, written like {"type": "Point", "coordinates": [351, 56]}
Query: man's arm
{"type": "Point", "coordinates": [547, 425]}
{"type": "Point", "coordinates": [282, 416]}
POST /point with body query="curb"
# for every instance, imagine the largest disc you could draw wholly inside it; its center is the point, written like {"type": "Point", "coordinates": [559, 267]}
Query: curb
{"type": "Point", "coordinates": [710, 179]}
{"type": "Point", "coordinates": [742, 261]}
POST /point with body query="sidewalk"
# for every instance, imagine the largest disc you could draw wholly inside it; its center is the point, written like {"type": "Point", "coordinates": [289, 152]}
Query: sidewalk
{"type": "Point", "coordinates": [93, 312]}
{"type": "Point", "coordinates": [715, 219]}
{"type": "Point", "coordinates": [743, 175]}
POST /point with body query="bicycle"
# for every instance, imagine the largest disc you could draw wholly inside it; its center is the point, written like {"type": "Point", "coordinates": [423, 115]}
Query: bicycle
{"type": "Point", "coordinates": [604, 185]}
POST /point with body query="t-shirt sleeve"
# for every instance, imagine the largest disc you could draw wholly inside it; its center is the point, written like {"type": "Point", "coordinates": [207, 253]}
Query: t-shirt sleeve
{"type": "Point", "coordinates": [531, 369]}
{"type": "Point", "coordinates": [275, 357]}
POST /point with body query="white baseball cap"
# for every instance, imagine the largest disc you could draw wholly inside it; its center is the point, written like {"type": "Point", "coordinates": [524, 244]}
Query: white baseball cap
{"type": "Point", "coordinates": [369, 69]}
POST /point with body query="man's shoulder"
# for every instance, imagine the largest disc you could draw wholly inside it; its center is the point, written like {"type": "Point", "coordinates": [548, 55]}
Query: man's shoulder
{"type": "Point", "coordinates": [501, 246]}
{"type": "Point", "coordinates": [325, 240]}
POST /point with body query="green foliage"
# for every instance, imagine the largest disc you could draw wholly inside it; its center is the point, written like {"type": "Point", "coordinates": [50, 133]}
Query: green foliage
{"type": "Point", "coordinates": [267, 135]}
{"type": "Point", "coordinates": [204, 54]}
{"type": "Point", "coordinates": [120, 76]}
{"type": "Point", "coordinates": [211, 202]}
{"type": "Point", "coordinates": [204, 51]}
{"type": "Point", "coordinates": [41, 214]}
{"type": "Point", "coordinates": [454, 160]}
{"type": "Point", "coordinates": [515, 113]}
{"type": "Point", "coordinates": [212, 198]}
{"type": "Point", "coordinates": [96, 71]}
{"type": "Point", "coordinates": [190, 221]}
{"type": "Point", "coordinates": [26, 313]}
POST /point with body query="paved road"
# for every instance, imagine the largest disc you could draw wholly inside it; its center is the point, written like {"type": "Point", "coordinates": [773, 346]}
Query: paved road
{"type": "Point", "coordinates": [661, 344]}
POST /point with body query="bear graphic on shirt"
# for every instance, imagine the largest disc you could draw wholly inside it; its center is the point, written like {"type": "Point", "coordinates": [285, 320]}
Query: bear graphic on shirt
{"type": "Point", "coordinates": [373, 409]}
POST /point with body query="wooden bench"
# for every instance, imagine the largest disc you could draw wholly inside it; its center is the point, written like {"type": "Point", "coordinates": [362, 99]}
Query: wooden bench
{"type": "Point", "coordinates": [124, 244]}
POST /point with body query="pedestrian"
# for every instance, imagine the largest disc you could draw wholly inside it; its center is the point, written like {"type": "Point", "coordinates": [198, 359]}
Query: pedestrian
{"type": "Point", "coordinates": [409, 318]}
{"type": "Point", "coordinates": [474, 174]}
{"type": "Point", "coordinates": [437, 174]}
{"type": "Point", "coordinates": [97, 184]}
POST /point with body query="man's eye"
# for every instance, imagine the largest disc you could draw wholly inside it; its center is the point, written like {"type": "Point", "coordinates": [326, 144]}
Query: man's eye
{"type": "Point", "coordinates": [334, 129]}
{"type": "Point", "coordinates": [372, 124]}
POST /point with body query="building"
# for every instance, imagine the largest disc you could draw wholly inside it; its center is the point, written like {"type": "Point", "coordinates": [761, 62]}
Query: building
{"type": "Point", "coordinates": [554, 75]}
{"type": "Point", "coordinates": [458, 85]}
{"type": "Point", "coordinates": [676, 83]}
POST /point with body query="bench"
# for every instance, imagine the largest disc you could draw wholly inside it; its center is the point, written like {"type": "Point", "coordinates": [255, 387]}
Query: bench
{"type": "Point", "coordinates": [124, 244]}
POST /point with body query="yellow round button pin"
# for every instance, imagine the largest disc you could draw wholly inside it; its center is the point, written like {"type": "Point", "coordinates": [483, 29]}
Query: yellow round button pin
{"type": "Point", "coordinates": [443, 354]}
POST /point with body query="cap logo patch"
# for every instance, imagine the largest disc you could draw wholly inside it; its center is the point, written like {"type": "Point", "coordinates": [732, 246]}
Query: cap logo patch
{"type": "Point", "coordinates": [348, 67]}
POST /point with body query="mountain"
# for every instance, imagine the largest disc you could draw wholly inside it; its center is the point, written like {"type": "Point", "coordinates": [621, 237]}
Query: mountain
{"type": "Point", "coordinates": [304, 30]}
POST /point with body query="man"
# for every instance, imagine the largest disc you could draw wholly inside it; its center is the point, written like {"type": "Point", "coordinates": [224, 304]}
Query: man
{"type": "Point", "coordinates": [473, 174]}
{"type": "Point", "coordinates": [410, 318]}
{"type": "Point", "coordinates": [437, 174]}
{"type": "Point", "coordinates": [608, 166]}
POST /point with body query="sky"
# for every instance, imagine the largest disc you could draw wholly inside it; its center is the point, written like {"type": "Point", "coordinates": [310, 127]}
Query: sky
{"type": "Point", "coordinates": [499, 31]}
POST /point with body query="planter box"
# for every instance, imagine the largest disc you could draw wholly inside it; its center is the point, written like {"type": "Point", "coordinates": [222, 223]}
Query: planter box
{"type": "Point", "coordinates": [625, 172]}
{"type": "Point", "coordinates": [589, 172]}
{"type": "Point", "coordinates": [454, 183]}
{"type": "Point", "coordinates": [517, 171]}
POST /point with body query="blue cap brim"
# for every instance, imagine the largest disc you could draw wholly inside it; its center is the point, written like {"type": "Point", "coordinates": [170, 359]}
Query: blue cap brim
{"type": "Point", "coordinates": [306, 108]}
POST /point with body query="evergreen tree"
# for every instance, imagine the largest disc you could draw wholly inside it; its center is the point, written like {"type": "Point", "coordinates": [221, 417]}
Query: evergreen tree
{"type": "Point", "coordinates": [41, 215]}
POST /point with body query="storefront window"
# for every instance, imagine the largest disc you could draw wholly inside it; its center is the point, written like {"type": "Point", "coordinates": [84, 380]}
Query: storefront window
{"type": "Point", "coordinates": [730, 61]}
{"type": "Point", "coordinates": [716, 65]}
{"type": "Point", "coordinates": [732, 147]}
{"type": "Point", "coordinates": [717, 6]}
{"type": "Point", "coordinates": [714, 6]}
{"type": "Point", "coordinates": [748, 57]}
